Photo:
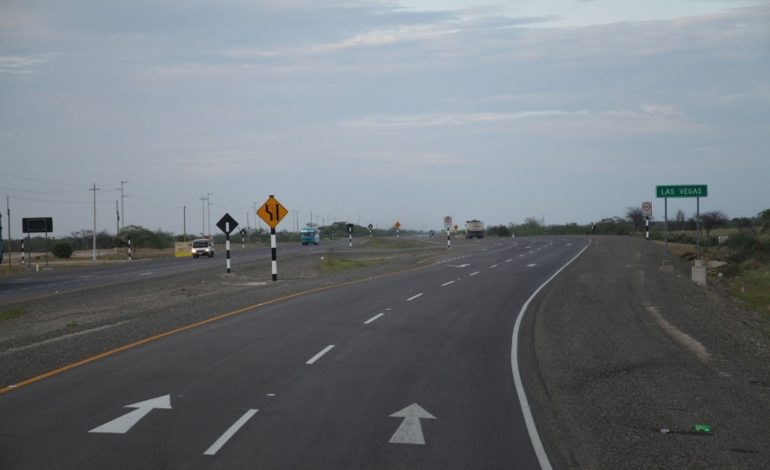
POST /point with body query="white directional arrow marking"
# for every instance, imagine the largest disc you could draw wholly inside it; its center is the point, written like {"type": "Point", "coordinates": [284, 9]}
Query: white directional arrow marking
{"type": "Point", "coordinates": [124, 423]}
{"type": "Point", "coordinates": [410, 431]}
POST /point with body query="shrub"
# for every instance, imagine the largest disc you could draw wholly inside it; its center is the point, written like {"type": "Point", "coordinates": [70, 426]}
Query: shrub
{"type": "Point", "coordinates": [62, 250]}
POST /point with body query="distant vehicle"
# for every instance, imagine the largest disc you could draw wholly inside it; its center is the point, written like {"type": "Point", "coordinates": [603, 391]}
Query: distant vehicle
{"type": "Point", "coordinates": [203, 247]}
{"type": "Point", "coordinates": [474, 229]}
{"type": "Point", "coordinates": [310, 236]}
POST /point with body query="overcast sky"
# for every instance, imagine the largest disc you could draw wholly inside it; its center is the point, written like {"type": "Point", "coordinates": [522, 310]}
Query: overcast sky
{"type": "Point", "coordinates": [373, 112]}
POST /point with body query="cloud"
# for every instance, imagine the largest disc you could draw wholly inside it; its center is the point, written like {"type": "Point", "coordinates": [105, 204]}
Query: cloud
{"type": "Point", "coordinates": [19, 64]}
{"type": "Point", "coordinates": [647, 119]}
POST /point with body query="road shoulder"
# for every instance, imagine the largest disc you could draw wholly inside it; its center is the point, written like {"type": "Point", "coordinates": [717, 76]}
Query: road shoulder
{"type": "Point", "coordinates": [622, 350]}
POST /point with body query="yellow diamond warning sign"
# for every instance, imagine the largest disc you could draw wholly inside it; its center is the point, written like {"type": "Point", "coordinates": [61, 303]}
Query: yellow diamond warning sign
{"type": "Point", "coordinates": [272, 211]}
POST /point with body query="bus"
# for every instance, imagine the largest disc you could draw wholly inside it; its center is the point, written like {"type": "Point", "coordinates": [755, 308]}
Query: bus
{"type": "Point", "coordinates": [310, 235]}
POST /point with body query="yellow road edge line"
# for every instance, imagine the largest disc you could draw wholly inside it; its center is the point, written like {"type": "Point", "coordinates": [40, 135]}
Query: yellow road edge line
{"type": "Point", "coordinates": [191, 326]}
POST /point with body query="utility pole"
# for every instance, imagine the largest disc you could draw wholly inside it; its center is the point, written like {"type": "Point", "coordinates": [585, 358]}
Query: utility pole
{"type": "Point", "coordinates": [203, 216]}
{"type": "Point", "coordinates": [122, 206]}
{"type": "Point", "coordinates": [8, 208]}
{"type": "Point", "coordinates": [208, 201]}
{"type": "Point", "coordinates": [94, 189]}
{"type": "Point", "coordinates": [117, 224]}
{"type": "Point", "coordinates": [184, 221]}
{"type": "Point", "coordinates": [248, 226]}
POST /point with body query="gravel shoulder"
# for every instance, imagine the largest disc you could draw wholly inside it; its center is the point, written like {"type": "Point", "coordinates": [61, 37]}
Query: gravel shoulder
{"type": "Point", "coordinates": [623, 349]}
{"type": "Point", "coordinates": [60, 330]}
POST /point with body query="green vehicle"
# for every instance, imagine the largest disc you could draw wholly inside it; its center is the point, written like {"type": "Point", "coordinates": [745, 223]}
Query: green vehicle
{"type": "Point", "coordinates": [310, 236]}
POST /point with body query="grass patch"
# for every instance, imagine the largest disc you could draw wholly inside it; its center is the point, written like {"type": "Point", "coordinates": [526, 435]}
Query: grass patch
{"type": "Point", "coordinates": [13, 313]}
{"type": "Point", "coordinates": [333, 265]}
{"type": "Point", "coordinates": [752, 286]}
{"type": "Point", "coordinates": [394, 243]}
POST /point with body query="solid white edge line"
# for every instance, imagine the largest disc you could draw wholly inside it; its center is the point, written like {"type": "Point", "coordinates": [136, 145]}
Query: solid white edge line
{"type": "Point", "coordinates": [542, 457]}
{"type": "Point", "coordinates": [320, 354]}
{"type": "Point", "coordinates": [414, 297]}
{"type": "Point", "coordinates": [373, 318]}
{"type": "Point", "coordinates": [230, 433]}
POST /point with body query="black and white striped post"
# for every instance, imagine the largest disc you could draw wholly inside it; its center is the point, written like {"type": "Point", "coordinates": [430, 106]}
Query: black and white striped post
{"type": "Point", "coordinates": [227, 244]}
{"type": "Point", "coordinates": [448, 239]}
{"type": "Point", "coordinates": [274, 249]}
{"type": "Point", "coordinates": [129, 248]}
{"type": "Point", "coordinates": [350, 235]}
{"type": "Point", "coordinates": [22, 251]}
{"type": "Point", "coordinates": [647, 228]}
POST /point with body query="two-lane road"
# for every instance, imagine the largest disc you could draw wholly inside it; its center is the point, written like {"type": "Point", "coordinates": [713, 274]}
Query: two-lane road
{"type": "Point", "coordinates": [412, 370]}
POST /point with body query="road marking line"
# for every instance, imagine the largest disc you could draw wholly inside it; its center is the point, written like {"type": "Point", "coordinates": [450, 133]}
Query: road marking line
{"type": "Point", "coordinates": [60, 338]}
{"type": "Point", "coordinates": [320, 354]}
{"type": "Point", "coordinates": [230, 433]}
{"type": "Point", "coordinates": [509, 260]}
{"type": "Point", "coordinates": [473, 274]}
{"type": "Point", "coordinates": [414, 297]}
{"type": "Point", "coordinates": [537, 444]}
{"type": "Point", "coordinates": [447, 283]}
{"type": "Point", "coordinates": [373, 318]}
{"type": "Point", "coordinates": [146, 274]}
{"type": "Point", "coordinates": [493, 266]}
{"type": "Point", "coordinates": [191, 326]}
{"type": "Point", "coordinates": [531, 265]}
{"type": "Point", "coordinates": [521, 256]}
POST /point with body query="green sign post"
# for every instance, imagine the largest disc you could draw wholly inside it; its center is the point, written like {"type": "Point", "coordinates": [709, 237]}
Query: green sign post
{"type": "Point", "coordinates": [683, 190]}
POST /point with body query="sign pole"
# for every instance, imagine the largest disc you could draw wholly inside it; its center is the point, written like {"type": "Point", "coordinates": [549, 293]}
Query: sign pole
{"type": "Point", "coordinates": [272, 212]}
{"type": "Point", "coordinates": [129, 248]}
{"type": "Point", "coordinates": [647, 228]}
{"type": "Point", "coordinates": [227, 244]}
{"type": "Point", "coordinates": [448, 239]}
{"type": "Point", "coordinates": [22, 251]}
{"type": "Point", "coordinates": [274, 248]}
{"type": "Point", "coordinates": [665, 223]}
{"type": "Point", "coordinates": [697, 219]}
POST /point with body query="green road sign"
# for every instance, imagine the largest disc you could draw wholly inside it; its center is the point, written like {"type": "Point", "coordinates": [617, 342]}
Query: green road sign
{"type": "Point", "coordinates": [683, 190]}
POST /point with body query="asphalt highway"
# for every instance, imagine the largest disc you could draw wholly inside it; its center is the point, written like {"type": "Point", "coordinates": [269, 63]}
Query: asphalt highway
{"type": "Point", "coordinates": [412, 370]}
{"type": "Point", "coordinates": [35, 284]}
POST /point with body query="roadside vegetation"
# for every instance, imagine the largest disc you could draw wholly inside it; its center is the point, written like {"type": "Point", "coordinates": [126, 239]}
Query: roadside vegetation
{"type": "Point", "coordinates": [737, 251]}
{"type": "Point", "coordinates": [333, 264]}
{"type": "Point", "coordinates": [12, 313]}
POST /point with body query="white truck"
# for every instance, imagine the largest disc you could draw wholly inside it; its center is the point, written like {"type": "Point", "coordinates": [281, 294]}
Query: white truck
{"type": "Point", "coordinates": [203, 247]}
{"type": "Point", "coordinates": [474, 229]}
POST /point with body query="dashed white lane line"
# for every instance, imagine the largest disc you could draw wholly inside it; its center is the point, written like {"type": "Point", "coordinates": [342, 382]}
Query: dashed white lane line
{"type": "Point", "coordinates": [146, 274]}
{"type": "Point", "coordinates": [493, 266]}
{"type": "Point", "coordinates": [230, 433]}
{"type": "Point", "coordinates": [473, 274]}
{"type": "Point", "coordinates": [509, 260]}
{"type": "Point", "coordinates": [447, 283]}
{"type": "Point", "coordinates": [521, 256]}
{"type": "Point", "coordinates": [414, 297]}
{"type": "Point", "coordinates": [531, 265]}
{"type": "Point", "coordinates": [320, 354]}
{"type": "Point", "coordinates": [379, 315]}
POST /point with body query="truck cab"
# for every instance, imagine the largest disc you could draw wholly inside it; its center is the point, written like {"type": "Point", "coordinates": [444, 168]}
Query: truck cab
{"type": "Point", "coordinates": [203, 247]}
{"type": "Point", "coordinates": [310, 235]}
